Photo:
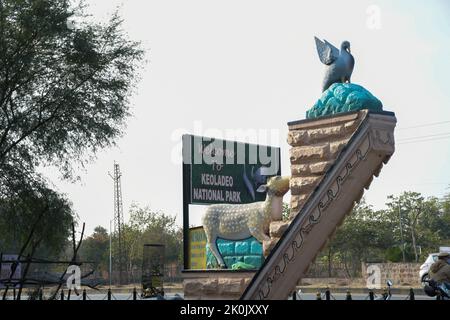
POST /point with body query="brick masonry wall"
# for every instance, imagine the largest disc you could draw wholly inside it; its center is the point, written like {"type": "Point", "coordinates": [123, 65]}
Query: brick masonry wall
{"type": "Point", "coordinates": [216, 286]}
{"type": "Point", "coordinates": [399, 273]}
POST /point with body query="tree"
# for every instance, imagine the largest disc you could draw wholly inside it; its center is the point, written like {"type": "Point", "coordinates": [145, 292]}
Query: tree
{"type": "Point", "coordinates": [409, 206]}
{"type": "Point", "coordinates": [156, 227]}
{"type": "Point", "coordinates": [39, 211]}
{"type": "Point", "coordinates": [376, 235]}
{"type": "Point", "coordinates": [363, 236]}
{"type": "Point", "coordinates": [445, 218]}
{"type": "Point", "coordinates": [63, 90]}
{"type": "Point", "coordinates": [95, 248]}
{"type": "Point", "coordinates": [147, 226]}
{"type": "Point", "coordinates": [422, 219]}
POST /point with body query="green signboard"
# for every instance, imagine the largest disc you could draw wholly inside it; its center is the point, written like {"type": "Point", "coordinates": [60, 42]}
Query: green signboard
{"type": "Point", "coordinates": [223, 171]}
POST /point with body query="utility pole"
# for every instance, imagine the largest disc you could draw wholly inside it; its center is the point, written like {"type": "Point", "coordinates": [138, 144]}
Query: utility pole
{"type": "Point", "coordinates": [418, 211]}
{"type": "Point", "coordinates": [401, 230]}
{"type": "Point", "coordinates": [118, 220]}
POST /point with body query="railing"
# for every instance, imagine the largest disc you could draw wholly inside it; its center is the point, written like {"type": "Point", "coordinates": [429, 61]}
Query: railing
{"type": "Point", "coordinates": [80, 295]}
{"type": "Point", "coordinates": [371, 295]}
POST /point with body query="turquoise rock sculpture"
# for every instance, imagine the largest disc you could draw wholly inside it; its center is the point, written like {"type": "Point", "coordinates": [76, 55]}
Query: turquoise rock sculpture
{"type": "Point", "coordinates": [237, 254]}
{"type": "Point", "coordinates": [343, 97]}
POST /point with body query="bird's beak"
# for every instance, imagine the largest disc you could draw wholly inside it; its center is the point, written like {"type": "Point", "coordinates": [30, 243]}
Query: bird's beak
{"type": "Point", "coordinates": [349, 51]}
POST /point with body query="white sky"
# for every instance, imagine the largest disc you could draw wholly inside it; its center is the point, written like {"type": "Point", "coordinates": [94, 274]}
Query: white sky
{"type": "Point", "coordinates": [223, 65]}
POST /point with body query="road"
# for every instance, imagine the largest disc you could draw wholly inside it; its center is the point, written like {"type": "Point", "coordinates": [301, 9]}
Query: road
{"type": "Point", "coordinates": [301, 296]}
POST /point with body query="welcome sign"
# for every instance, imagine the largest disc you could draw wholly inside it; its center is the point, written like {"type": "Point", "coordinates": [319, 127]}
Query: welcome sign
{"type": "Point", "coordinates": [223, 171]}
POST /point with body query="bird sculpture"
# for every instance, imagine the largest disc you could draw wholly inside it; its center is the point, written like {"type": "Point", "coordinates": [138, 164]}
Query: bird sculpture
{"type": "Point", "coordinates": [339, 64]}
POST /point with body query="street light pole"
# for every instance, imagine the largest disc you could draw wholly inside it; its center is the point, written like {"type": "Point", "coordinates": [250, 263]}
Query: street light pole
{"type": "Point", "coordinates": [110, 252]}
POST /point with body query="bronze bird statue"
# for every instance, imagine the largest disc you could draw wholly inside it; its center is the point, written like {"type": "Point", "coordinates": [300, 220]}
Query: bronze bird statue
{"type": "Point", "coordinates": [339, 63]}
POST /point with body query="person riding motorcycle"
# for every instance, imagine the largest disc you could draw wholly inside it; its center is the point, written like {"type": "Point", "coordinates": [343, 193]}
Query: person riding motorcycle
{"type": "Point", "coordinates": [440, 271]}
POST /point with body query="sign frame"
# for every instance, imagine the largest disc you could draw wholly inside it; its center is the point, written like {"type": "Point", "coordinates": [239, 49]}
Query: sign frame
{"type": "Point", "coordinates": [187, 184]}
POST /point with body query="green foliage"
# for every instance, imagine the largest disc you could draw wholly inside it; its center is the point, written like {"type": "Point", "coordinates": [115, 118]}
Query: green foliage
{"type": "Point", "coordinates": [63, 91]}
{"type": "Point", "coordinates": [410, 221]}
{"type": "Point", "coordinates": [395, 254]}
{"type": "Point", "coordinates": [64, 95]}
{"type": "Point", "coordinates": [39, 210]}
{"type": "Point", "coordinates": [145, 226]}
{"type": "Point", "coordinates": [422, 221]}
{"type": "Point", "coordinates": [95, 248]}
{"type": "Point", "coordinates": [362, 236]}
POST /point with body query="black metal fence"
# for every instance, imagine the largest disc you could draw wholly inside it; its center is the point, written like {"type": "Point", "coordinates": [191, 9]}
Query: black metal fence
{"type": "Point", "coordinates": [109, 295]}
{"type": "Point", "coordinates": [371, 295]}
{"type": "Point", "coordinates": [77, 295]}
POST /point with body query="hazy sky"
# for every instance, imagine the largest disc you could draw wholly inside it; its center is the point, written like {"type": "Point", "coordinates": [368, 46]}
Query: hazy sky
{"type": "Point", "coordinates": [215, 66]}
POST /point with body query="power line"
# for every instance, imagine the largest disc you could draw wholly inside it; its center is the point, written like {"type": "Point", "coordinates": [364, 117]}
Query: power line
{"type": "Point", "coordinates": [424, 140]}
{"type": "Point", "coordinates": [424, 125]}
{"type": "Point", "coordinates": [427, 136]}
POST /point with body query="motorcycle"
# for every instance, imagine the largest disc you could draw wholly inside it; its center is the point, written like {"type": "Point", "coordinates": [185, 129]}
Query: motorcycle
{"type": "Point", "coordinates": [434, 289]}
{"type": "Point", "coordinates": [387, 292]}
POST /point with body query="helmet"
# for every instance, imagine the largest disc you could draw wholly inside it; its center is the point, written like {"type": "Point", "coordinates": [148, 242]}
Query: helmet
{"type": "Point", "coordinates": [444, 255]}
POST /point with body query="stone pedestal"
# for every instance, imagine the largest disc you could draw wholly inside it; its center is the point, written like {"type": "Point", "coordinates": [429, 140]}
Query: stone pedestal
{"type": "Point", "coordinates": [215, 284]}
{"type": "Point", "coordinates": [315, 147]}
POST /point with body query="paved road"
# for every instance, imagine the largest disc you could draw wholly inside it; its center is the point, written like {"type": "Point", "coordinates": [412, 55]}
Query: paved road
{"type": "Point", "coordinates": [360, 296]}
{"type": "Point", "coordinates": [302, 296]}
